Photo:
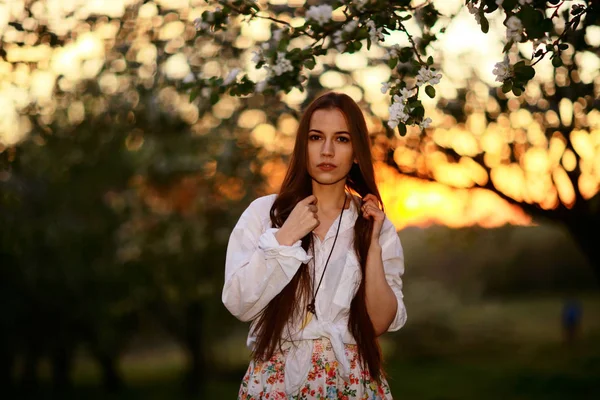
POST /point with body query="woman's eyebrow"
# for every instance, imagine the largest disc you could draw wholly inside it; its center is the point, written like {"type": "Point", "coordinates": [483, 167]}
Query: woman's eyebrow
{"type": "Point", "coordinates": [335, 133]}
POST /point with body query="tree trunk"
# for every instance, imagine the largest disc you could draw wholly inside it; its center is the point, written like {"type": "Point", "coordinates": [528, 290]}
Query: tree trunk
{"type": "Point", "coordinates": [586, 233]}
{"type": "Point", "coordinates": [7, 362]}
{"type": "Point", "coordinates": [111, 376]}
{"type": "Point", "coordinates": [62, 363]}
{"type": "Point", "coordinates": [193, 341]}
{"type": "Point", "coordinates": [29, 378]}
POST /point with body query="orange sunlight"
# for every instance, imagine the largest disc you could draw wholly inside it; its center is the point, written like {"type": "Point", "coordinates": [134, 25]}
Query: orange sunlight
{"type": "Point", "coordinates": [414, 202]}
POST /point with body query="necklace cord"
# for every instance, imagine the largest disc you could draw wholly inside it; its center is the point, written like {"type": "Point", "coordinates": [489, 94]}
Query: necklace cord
{"type": "Point", "coordinates": [311, 306]}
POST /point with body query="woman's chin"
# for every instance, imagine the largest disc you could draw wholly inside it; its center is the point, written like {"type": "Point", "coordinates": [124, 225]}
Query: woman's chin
{"type": "Point", "coordinates": [327, 178]}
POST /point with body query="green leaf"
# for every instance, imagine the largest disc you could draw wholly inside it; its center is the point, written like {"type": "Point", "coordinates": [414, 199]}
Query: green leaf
{"type": "Point", "coordinates": [517, 91]}
{"type": "Point", "coordinates": [402, 129]}
{"type": "Point", "coordinates": [563, 46]}
{"type": "Point", "coordinates": [430, 90]}
{"type": "Point", "coordinates": [485, 25]}
{"type": "Point", "coordinates": [509, 4]}
{"type": "Point", "coordinates": [507, 86]}
{"type": "Point", "coordinates": [491, 7]}
{"type": "Point", "coordinates": [526, 72]}
{"type": "Point", "coordinates": [519, 65]}
{"type": "Point", "coordinates": [430, 60]}
{"type": "Point", "coordinates": [414, 104]}
{"type": "Point", "coordinates": [508, 45]}
{"type": "Point", "coordinates": [392, 62]}
{"type": "Point", "coordinates": [310, 63]}
{"type": "Point", "coordinates": [556, 61]}
{"type": "Point", "coordinates": [193, 94]}
{"type": "Point", "coordinates": [405, 54]}
{"type": "Point", "coordinates": [214, 98]}
{"type": "Point", "coordinates": [419, 112]}
{"type": "Point", "coordinates": [282, 46]}
{"type": "Point", "coordinates": [362, 33]}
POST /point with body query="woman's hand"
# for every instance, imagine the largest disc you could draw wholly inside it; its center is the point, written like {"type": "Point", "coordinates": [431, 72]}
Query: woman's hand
{"type": "Point", "coordinates": [370, 209]}
{"type": "Point", "coordinates": [301, 221]}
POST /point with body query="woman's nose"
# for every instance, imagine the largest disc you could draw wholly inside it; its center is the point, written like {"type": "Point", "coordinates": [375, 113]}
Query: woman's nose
{"type": "Point", "coordinates": [327, 148]}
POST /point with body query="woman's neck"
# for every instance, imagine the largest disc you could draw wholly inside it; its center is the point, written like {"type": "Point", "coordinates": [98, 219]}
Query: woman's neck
{"type": "Point", "coordinates": [330, 198]}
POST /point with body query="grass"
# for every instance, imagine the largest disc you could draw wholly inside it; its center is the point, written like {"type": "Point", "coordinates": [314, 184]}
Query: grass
{"type": "Point", "coordinates": [525, 360]}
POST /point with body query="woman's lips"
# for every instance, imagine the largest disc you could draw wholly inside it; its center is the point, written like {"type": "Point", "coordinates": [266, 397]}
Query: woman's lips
{"type": "Point", "coordinates": [326, 167]}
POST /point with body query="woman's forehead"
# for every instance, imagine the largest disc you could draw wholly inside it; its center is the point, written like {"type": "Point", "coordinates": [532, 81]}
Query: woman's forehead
{"type": "Point", "coordinates": [328, 120]}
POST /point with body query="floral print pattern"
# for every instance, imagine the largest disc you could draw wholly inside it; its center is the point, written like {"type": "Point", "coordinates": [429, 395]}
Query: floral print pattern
{"type": "Point", "coordinates": [265, 380]}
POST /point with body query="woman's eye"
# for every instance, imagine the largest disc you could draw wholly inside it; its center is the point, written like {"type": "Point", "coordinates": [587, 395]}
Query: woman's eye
{"type": "Point", "coordinates": [343, 139]}
{"type": "Point", "coordinates": [314, 137]}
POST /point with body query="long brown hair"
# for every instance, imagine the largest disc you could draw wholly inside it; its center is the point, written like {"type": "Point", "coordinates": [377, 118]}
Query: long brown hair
{"type": "Point", "coordinates": [297, 185]}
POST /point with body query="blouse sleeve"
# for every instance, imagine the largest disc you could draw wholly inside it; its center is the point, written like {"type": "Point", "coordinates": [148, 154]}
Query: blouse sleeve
{"type": "Point", "coordinates": [257, 267]}
{"type": "Point", "coordinates": [392, 256]}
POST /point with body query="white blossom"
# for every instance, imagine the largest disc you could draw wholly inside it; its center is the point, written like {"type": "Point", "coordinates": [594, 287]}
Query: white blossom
{"type": "Point", "coordinates": [282, 65]}
{"type": "Point", "coordinates": [425, 123]}
{"type": "Point", "coordinates": [405, 93]}
{"type": "Point", "coordinates": [351, 26]}
{"type": "Point", "coordinates": [502, 70]}
{"type": "Point", "coordinates": [260, 86]}
{"type": "Point", "coordinates": [277, 34]}
{"type": "Point", "coordinates": [206, 92]}
{"type": "Point", "coordinates": [321, 14]}
{"type": "Point", "coordinates": [397, 113]}
{"type": "Point", "coordinates": [200, 25]}
{"type": "Point", "coordinates": [376, 34]}
{"type": "Point", "coordinates": [475, 11]}
{"type": "Point", "coordinates": [499, 2]}
{"type": "Point", "coordinates": [232, 76]}
{"type": "Point", "coordinates": [338, 41]}
{"type": "Point", "coordinates": [393, 52]}
{"type": "Point", "coordinates": [257, 56]}
{"type": "Point", "coordinates": [385, 86]}
{"type": "Point", "coordinates": [515, 28]}
{"type": "Point", "coordinates": [189, 78]}
{"type": "Point", "coordinates": [359, 4]}
{"type": "Point", "coordinates": [427, 76]}
{"type": "Point", "coordinates": [514, 23]}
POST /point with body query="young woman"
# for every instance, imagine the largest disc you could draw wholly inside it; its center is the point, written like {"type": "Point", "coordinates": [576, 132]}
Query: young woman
{"type": "Point", "coordinates": [317, 268]}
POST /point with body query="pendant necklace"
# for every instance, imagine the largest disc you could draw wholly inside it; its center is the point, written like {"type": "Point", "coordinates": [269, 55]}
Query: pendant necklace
{"type": "Point", "coordinates": [311, 310]}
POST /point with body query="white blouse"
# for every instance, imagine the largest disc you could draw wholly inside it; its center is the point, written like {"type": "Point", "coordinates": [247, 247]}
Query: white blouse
{"type": "Point", "coordinates": [257, 268]}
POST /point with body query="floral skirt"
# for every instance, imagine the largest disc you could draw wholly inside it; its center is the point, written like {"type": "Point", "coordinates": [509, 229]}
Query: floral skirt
{"type": "Point", "coordinates": [265, 380]}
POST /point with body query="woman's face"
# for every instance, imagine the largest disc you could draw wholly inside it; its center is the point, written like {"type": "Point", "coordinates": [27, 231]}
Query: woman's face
{"type": "Point", "coordinates": [330, 151]}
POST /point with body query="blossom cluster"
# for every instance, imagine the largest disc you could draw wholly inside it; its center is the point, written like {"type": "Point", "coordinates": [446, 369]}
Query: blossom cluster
{"type": "Point", "coordinates": [376, 34]}
{"type": "Point", "coordinates": [472, 7]}
{"type": "Point", "coordinates": [338, 39]}
{"type": "Point", "coordinates": [427, 76]}
{"type": "Point", "coordinates": [514, 29]}
{"type": "Point", "coordinates": [502, 70]}
{"type": "Point", "coordinates": [400, 112]}
{"type": "Point", "coordinates": [393, 52]}
{"type": "Point", "coordinates": [282, 65]}
{"type": "Point", "coordinates": [322, 13]}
